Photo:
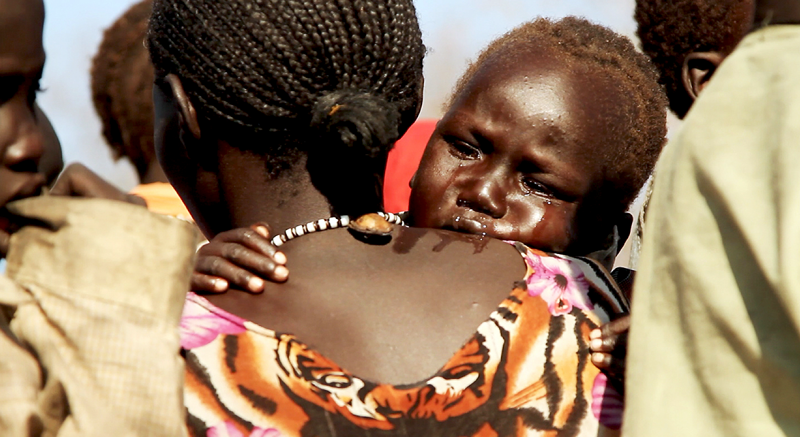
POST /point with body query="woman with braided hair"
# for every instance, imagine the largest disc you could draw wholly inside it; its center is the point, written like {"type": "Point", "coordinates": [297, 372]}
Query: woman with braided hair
{"type": "Point", "coordinates": [284, 111]}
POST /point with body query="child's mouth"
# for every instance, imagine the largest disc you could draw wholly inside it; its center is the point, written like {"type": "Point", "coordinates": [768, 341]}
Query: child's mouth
{"type": "Point", "coordinates": [30, 187]}
{"type": "Point", "coordinates": [467, 226]}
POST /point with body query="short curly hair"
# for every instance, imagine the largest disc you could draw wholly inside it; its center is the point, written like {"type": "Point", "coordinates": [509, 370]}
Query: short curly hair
{"type": "Point", "coordinates": [671, 29]}
{"type": "Point", "coordinates": [122, 87]}
{"type": "Point", "coordinates": [642, 129]}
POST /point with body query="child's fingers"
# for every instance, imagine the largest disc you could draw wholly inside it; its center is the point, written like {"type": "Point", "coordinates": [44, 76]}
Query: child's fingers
{"type": "Point", "coordinates": [222, 268]}
{"type": "Point", "coordinates": [602, 360]}
{"type": "Point", "coordinates": [257, 239]}
{"type": "Point", "coordinates": [604, 344]}
{"type": "Point", "coordinates": [262, 265]}
{"type": "Point", "coordinates": [209, 284]}
{"type": "Point", "coordinates": [610, 336]}
{"type": "Point", "coordinates": [263, 229]}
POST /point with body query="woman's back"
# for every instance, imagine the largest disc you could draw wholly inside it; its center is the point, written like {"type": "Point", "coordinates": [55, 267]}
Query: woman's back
{"type": "Point", "coordinates": [376, 310]}
{"type": "Point", "coordinates": [436, 333]}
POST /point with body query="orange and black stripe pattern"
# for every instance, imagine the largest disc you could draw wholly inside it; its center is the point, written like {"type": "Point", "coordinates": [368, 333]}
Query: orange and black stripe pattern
{"type": "Point", "coordinates": [525, 372]}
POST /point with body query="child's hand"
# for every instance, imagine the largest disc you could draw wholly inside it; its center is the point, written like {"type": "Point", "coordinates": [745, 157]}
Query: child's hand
{"type": "Point", "coordinates": [240, 258]}
{"type": "Point", "coordinates": [609, 345]}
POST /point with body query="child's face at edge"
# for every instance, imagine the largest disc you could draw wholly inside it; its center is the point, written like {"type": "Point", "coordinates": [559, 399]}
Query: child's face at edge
{"type": "Point", "coordinates": [29, 150]}
{"type": "Point", "coordinates": [519, 153]}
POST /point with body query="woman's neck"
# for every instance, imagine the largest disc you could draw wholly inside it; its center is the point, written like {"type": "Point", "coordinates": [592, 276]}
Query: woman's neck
{"type": "Point", "coordinates": [289, 200]}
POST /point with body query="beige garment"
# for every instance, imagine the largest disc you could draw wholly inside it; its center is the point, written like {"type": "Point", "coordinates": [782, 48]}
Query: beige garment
{"type": "Point", "coordinates": [88, 321]}
{"type": "Point", "coordinates": [715, 342]}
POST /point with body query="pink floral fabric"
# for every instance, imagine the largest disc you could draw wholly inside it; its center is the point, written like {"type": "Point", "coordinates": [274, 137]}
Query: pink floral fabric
{"type": "Point", "coordinates": [228, 429]}
{"type": "Point", "coordinates": [607, 403]}
{"type": "Point", "coordinates": [559, 281]}
{"type": "Point", "coordinates": [199, 327]}
{"type": "Point", "coordinates": [526, 371]}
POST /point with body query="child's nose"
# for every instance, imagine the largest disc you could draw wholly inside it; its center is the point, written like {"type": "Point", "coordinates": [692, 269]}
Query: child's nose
{"type": "Point", "coordinates": [485, 195]}
{"type": "Point", "coordinates": [25, 145]}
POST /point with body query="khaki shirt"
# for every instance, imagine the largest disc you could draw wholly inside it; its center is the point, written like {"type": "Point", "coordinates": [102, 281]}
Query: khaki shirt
{"type": "Point", "coordinates": [715, 342]}
{"type": "Point", "coordinates": [89, 313]}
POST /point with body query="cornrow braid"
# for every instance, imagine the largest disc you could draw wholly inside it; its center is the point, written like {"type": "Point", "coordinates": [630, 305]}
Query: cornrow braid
{"type": "Point", "coordinates": [122, 87]}
{"type": "Point", "coordinates": [349, 69]}
{"type": "Point", "coordinates": [641, 129]}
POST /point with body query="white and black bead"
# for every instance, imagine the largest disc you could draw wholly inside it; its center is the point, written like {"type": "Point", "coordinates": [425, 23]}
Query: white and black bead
{"type": "Point", "coordinates": [392, 218]}
{"type": "Point", "coordinates": [309, 228]}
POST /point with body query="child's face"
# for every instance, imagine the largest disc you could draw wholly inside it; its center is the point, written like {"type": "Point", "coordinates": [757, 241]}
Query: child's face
{"type": "Point", "coordinates": [28, 147]}
{"type": "Point", "coordinates": [519, 154]}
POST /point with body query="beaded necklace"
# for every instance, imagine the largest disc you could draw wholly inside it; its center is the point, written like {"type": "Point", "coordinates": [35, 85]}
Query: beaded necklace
{"type": "Point", "coordinates": [332, 223]}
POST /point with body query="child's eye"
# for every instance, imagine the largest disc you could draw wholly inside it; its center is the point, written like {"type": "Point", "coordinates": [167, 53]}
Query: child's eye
{"type": "Point", "coordinates": [9, 86]}
{"type": "Point", "coordinates": [463, 150]}
{"type": "Point", "coordinates": [537, 187]}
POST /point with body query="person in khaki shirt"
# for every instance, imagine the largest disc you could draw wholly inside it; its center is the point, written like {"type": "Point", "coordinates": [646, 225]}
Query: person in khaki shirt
{"type": "Point", "coordinates": [89, 314]}
{"type": "Point", "coordinates": [715, 338]}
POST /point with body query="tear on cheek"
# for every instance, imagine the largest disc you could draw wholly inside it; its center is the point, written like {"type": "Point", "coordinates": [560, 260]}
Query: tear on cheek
{"type": "Point", "coordinates": [537, 217]}
{"type": "Point", "coordinates": [506, 231]}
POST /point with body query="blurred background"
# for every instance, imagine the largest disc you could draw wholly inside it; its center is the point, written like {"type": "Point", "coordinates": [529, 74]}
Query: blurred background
{"type": "Point", "coordinates": [454, 31]}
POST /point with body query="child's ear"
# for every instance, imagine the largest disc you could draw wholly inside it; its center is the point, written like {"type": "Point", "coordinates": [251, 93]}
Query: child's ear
{"type": "Point", "coordinates": [698, 67]}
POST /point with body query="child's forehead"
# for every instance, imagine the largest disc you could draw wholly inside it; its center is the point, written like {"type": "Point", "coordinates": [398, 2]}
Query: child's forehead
{"type": "Point", "coordinates": [543, 78]}
{"type": "Point", "coordinates": [25, 14]}
{"type": "Point", "coordinates": [21, 25]}
{"type": "Point", "coordinates": [572, 104]}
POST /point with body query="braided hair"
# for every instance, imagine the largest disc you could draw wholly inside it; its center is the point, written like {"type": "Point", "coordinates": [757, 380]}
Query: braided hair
{"type": "Point", "coordinates": [351, 70]}
{"type": "Point", "coordinates": [641, 129]}
{"type": "Point", "coordinates": [122, 87]}
{"type": "Point", "coordinates": [671, 29]}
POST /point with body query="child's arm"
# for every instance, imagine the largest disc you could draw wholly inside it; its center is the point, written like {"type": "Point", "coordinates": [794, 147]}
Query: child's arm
{"type": "Point", "coordinates": [242, 257]}
{"type": "Point", "coordinates": [77, 180]}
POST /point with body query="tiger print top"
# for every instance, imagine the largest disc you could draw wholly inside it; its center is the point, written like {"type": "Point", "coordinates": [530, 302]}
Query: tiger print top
{"type": "Point", "coordinates": [525, 372]}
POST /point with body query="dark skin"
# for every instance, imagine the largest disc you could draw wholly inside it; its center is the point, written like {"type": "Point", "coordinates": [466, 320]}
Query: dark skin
{"type": "Point", "coordinates": [513, 159]}
{"type": "Point", "coordinates": [516, 157]}
{"type": "Point", "coordinates": [29, 148]}
{"type": "Point", "coordinates": [610, 341]}
{"type": "Point", "coordinates": [777, 12]}
{"type": "Point", "coordinates": [525, 180]}
{"type": "Point", "coordinates": [698, 67]}
{"type": "Point", "coordinates": [22, 139]}
{"type": "Point", "coordinates": [423, 281]}
{"type": "Point", "coordinates": [519, 157]}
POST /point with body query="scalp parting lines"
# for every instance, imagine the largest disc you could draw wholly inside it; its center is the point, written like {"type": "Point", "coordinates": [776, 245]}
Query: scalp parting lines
{"type": "Point", "coordinates": [249, 63]}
